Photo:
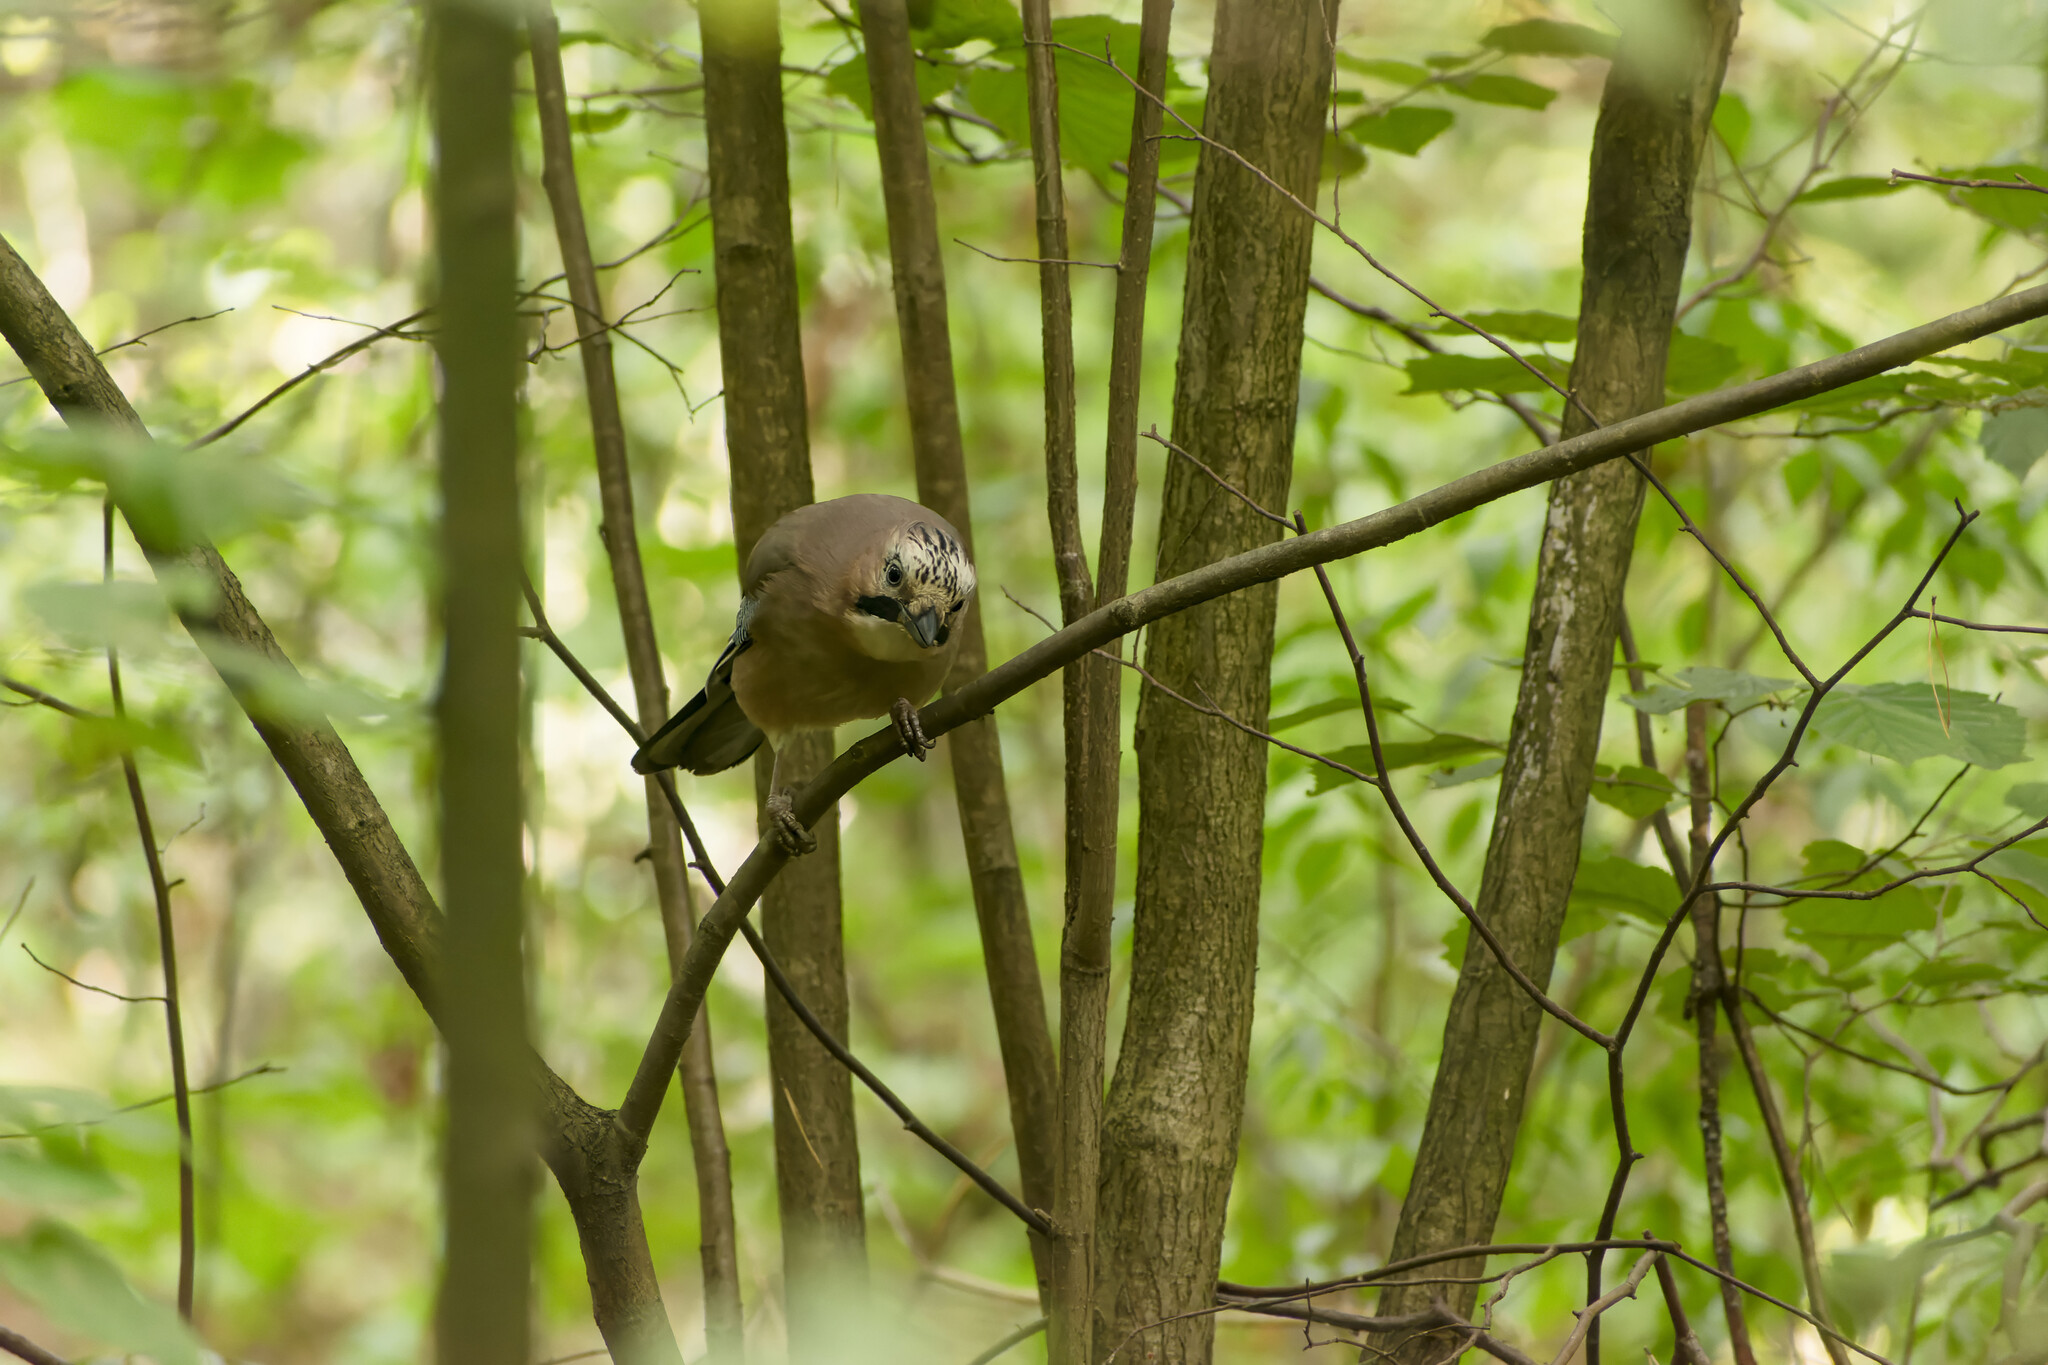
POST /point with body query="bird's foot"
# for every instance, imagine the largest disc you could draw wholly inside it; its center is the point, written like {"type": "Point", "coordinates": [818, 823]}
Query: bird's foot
{"type": "Point", "coordinates": [910, 730]}
{"type": "Point", "coordinates": [788, 831]}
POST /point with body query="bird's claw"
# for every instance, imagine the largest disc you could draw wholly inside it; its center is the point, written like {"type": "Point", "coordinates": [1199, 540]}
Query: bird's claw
{"type": "Point", "coordinates": [910, 730]}
{"type": "Point", "coordinates": [788, 831]}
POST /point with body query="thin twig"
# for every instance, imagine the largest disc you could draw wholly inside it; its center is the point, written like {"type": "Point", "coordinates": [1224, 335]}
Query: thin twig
{"type": "Point", "coordinates": [85, 986]}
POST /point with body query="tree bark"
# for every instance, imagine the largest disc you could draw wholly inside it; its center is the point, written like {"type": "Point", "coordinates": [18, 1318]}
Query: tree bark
{"type": "Point", "coordinates": [487, 1151]}
{"type": "Point", "coordinates": [711, 1159]}
{"type": "Point", "coordinates": [1653, 123]}
{"type": "Point", "coordinates": [983, 797]}
{"type": "Point", "coordinates": [1170, 1133]}
{"type": "Point", "coordinates": [817, 1151]}
{"type": "Point", "coordinates": [1093, 725]}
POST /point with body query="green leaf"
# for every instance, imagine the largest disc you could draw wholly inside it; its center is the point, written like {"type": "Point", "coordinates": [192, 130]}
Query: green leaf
{"type": "Point", "coordinates": [591, 121]}
{"type": "Point", "coordinates": [1333, 707]}
{"type": "Point", "coordinates": [1528, 325]}
{"type": "Point", "coordinates": [1619, 886]}
{"type": "Point", "coordinates": [1697, 364]}
{"type": "Point", "coordinates": [2016, 438]}
{"type": "Point", "coordinates": [1096, 103]}
{"type": "Point", "coordinates": [1471, 772]}
{"type": "Point", "coordinates": [2029, 799]}
{"type": "Point", "coordinates": [1901, 721]}
{"type": "Point", "coordinates": [849, 80]}
{"type": "Point", "coordinates": [57, 1171]}
{"type": "Point", "coordinates": [1399, 73]}
{"type": "Point", "coordinates": [2020, 210]}
{"type": "Point", "coordinates": [1636, 792]}
{"type": "Point", "coordinates": [1939, 973]}
{"type": "Point", "coordinates": [1509, 90]}
{"type": "Point", "coordinates": [1845, 932]}
{"type": "Point", "coordinates": [1479, 373]}
{"type": "Point", "coordinates": [1437, 750]}
{"type": "Point", "coordinates": [1406, 128]}
{"type": "Point", "coordinates": [1549, 38]}
{"type": "Point", "coordinates": [77, 1287]}
{"type": "Point", "coordinates": [1731, 121]}
{"type": "Point", "coordinates": [1851, 187]}
{"type": "Point", "coordinates": [954, 22]}
{"type": "Point", "coordinates": [2024, 862]}
{"type": "Point", "coordinates": [1727, 686]}
{"type": "Point", "coordinates": [1341, 158]}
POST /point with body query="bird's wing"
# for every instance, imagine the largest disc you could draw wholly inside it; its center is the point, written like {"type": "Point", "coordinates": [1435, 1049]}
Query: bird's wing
{"type": "Point", "coordinates": [710, 733]}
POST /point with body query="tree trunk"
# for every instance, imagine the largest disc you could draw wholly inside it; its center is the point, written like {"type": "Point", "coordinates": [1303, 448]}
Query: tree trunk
{"type": "Point", "coordinates": [1170, 1132]}
{"type": "Point", "coordinates": [718, 1235]}
{"type": "Point", "coordinates": [817, 1151]}
{"type": "Point", "coordinates": [1094, 736]}
{"type": "Point", "coordinates": [487, 1159]}
{"type": "Point", "coordinates": [983, 797]}
{"type": "Point", "coordinates": [1653, 123]}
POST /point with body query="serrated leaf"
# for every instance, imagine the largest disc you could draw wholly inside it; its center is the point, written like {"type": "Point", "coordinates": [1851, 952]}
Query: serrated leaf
{"type": "Point", "coordinates": [2016, 438]}
{"type": "Point", "coordinates": [1636, 792]}
{"type": "Point", "coordinates": [1549, 38]}
{"type": "Point", "coordinates": [1900, 721]}
{"type": "Point", "coordinates": [1478, 373]}
{"type": "Point", "coordinates": [1846, 932]}
{"type": "Point", "coordinates": [77, 1287]}
{"type": "Point", "coordinates": [1513, 91]}
{"type": "Point", "coordinates": [1525, 325]}
{"type": "Point", "coordinates": [1096, 103]}
{"type": "Point", "coordinates": [954, 22]}
{"type": "Point", "coordinates": [1851, 187]}
{"type": "Point", "coordinates": [1731, 688]}
{"type": "Point", "coordinates": [1406, 128]}
{"type": "Point", "coordinates": [849, 80]}
{"type": "Point", "coordinates": [1622, 887]}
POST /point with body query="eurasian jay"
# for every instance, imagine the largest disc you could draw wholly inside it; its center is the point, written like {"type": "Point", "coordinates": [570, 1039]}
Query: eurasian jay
{"type": "Point", "coordinates": [848, 612]}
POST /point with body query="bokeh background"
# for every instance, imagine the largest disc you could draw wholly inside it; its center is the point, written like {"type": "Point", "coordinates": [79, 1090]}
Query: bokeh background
{"type": "Point", "coordinates": [259, 168]}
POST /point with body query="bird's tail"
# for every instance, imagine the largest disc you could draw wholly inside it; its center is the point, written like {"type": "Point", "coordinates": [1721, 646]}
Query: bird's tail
{"type": "Point", "coordinates": [709, 735]}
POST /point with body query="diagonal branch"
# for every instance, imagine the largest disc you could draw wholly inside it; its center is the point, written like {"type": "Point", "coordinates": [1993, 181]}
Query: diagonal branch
{"type": "Point", "coordinates": [644, 1096]}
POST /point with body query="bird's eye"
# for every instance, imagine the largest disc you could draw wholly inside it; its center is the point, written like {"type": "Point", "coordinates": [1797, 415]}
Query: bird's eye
{"type": "Point", "coordinates": [955, 607]}
{"type": "Point", "coordinates": [895, 575]}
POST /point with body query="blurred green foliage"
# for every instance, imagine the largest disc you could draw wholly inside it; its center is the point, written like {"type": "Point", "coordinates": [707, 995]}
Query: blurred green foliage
{"type": "Point", "coordinates": [165, 165]}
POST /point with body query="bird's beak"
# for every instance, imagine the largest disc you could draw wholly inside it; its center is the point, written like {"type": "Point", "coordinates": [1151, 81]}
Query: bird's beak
{"type": "Point", "coordinates": [923, 627]}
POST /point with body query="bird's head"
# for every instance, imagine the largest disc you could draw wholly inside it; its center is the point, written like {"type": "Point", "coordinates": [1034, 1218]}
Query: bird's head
{"type": "Point", "coordinates": [916, 589]}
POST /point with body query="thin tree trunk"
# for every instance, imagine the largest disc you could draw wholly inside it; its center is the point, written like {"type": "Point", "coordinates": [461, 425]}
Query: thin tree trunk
{"type": "Point", "coordinates": [710, 1157]}
{"type": "Point", "coordinates": [487, 1161]}
{"type": "Point", "coordinates": [817, 1152]}
{"type": "Point", "coordinates": [978, 787]}
{"type": "Point", "coordinates": [1646, 147]}
{"type": "Point", "coordinates": [1169, 1142]}
{"type": "Point", "coordinates": [1094, 743]}
{"type": "Point", "coordinates": [1709, 977]}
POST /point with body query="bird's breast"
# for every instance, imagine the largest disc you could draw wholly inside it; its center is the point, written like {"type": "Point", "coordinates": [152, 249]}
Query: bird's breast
{"type": "Point", "coordinates": [809, 670]}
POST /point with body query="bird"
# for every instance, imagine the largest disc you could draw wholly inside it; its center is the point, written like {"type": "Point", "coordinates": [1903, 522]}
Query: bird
{"type": "Point", "coordinates": [849, 610]}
